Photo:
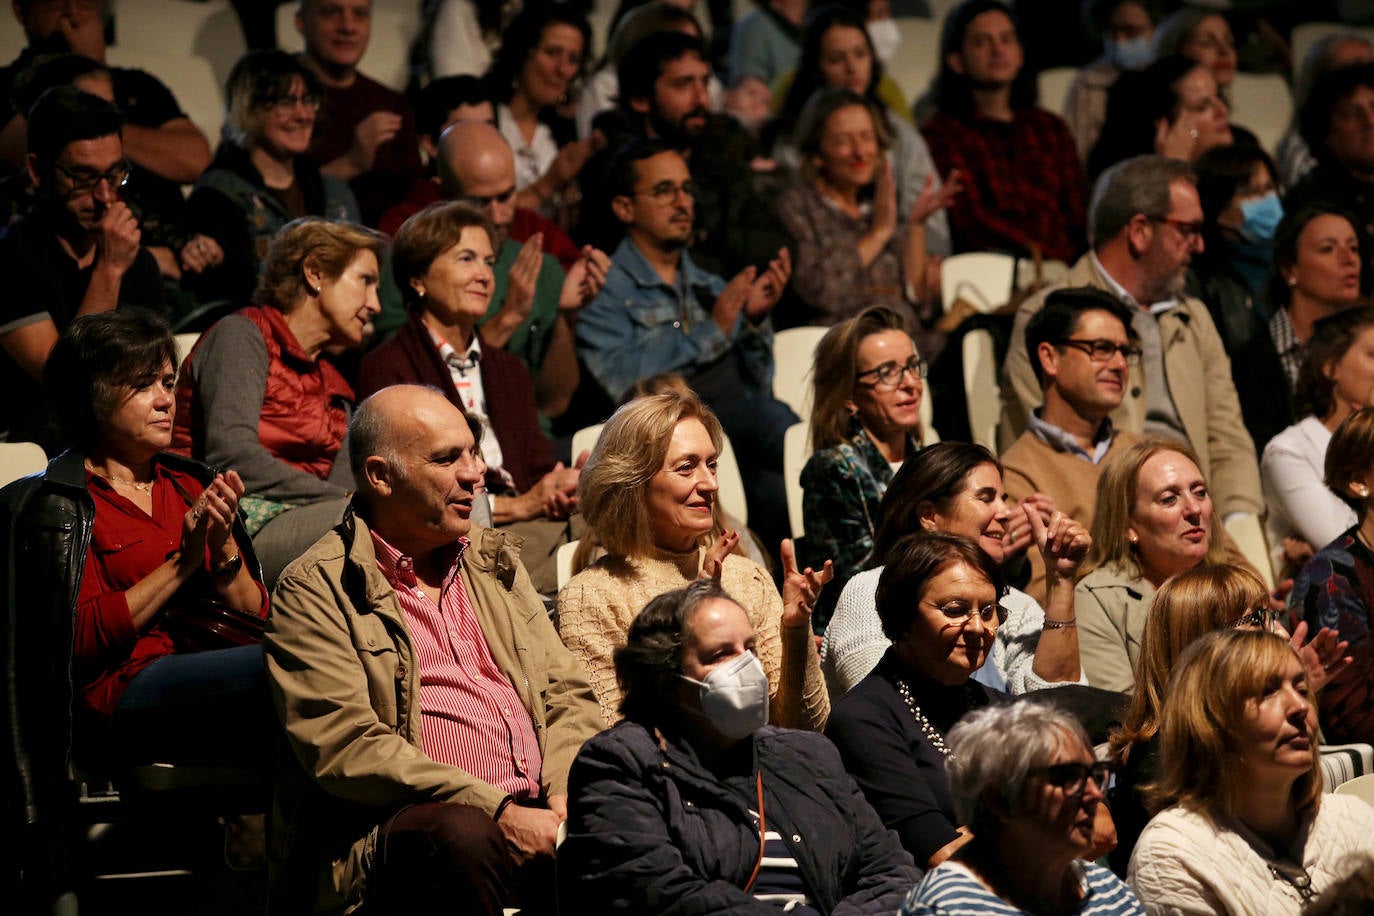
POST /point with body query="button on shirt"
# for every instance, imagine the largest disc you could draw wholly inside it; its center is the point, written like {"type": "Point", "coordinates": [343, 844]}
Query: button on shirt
{"type": "Point", "coordinates": [471, 715]}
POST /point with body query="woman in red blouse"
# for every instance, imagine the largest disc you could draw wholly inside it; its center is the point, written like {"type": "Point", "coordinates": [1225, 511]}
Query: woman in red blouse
{"type": "Point", "coordinates": [157, 539]}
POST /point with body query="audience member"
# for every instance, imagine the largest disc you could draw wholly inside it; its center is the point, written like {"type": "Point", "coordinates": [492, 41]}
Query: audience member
{"type": "Point", "coordinates": [1189, 605]}
{"type": "Point", "coordinates": [261, 178]}
{"type": "Point", "coordinates": [764, 45]}
{"type": "Point", "coordinates": [1081, 349]}
{"type": "Point", "coordinates": [660, 312]}
{"type": "Point", "coordinates": [1127, 28]}
{"type": "Point", "coordinates": [366, 133]}
{"type": "Point", "coordinates": [534, 71]}
{"type": "Point", "coordinates": [1330, 52]}
{"type": "Point", "coordinates": [855, 248]}
{"type": "Point", "coordinates": [1248, 828]}
{"type": "Point", "coordinates": [1154, 519]}
{"type": "Point", "coordinates": [666, 811]}
{"type": "Point", "coordinates": [442, 258]}
{"type": "Point", "coordinates": [1336, 379]}
{"type": "Point", "coordinates": [403, 798]}
{"type": "Point", "coordinates": [1334, 587]}
{"type": "Point", "coordinates": [1024, 780]}
{"type": "Point", "coordinates": [457, 37]}
{"type": "Point", "coordinates": [1316, 272]}
{"type": "Point", "coordinates": [255, 393]}
{"type": "Point", "coordinates": [1146, 224]}
{"type": "Point", "coordinates": [1240, 215]}
{"type": "Point", "coordinates": [649, 494]}
{"type": "Point", "coordinates": [1026, 187]}
{"type": "Point", "coordinates": [1204, 36]}
{"type": "Point", "coordinates": [77, 251]}
{"type": "Point", "coordinates": [1171, 108]}
{"type": "Point", "coordinates": [865, 421]}
{"type": "Point", "coordinates": [838, 53]}
{"type": "Point", "coordinates": [956, 488]}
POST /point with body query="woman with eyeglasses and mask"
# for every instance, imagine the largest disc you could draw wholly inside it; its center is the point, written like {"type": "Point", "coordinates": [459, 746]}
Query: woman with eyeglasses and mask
{"type": "Point", "coordinates": [1191, 604]}
{"type": "Point", "coordinates": [1024, 779]}
{"type": "Point", "coordinates": [693, 803]}
{"type": "Point", "coordinates": [1243, 825]}
{"type": "Point", "coordinates": [261, 178]}
{"type": "Point", "coordinates": [939, 600]}
{"type": "Point", "coordinates": [865, 421]}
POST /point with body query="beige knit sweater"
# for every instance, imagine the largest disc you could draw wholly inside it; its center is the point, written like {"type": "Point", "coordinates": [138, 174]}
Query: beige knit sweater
{"type": "Point", "coordinates": [597, 605]}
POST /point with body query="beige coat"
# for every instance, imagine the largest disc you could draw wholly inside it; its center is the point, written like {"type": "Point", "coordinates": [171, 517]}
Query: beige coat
{"type": "Point", "coordinates": [346, 684]}
{"type": "Point", "coordinates": [1199, 376]}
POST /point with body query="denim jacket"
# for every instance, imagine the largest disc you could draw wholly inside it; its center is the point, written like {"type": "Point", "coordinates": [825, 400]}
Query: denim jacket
{"type": "Point", "coordinates": [640, 326]}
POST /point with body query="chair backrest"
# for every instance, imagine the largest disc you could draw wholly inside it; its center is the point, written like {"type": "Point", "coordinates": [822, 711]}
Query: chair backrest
{"type": "Point", "coordinates": [794, 357]}
{"type": "Point", "coordinates": [983, 279]}
{"type": "Point", "coordinates": [1245, 529]}
{"type": "Point", "coordinates": [1362, 787]}
{"type": "Point", "coordinates": [20, 459]}
{"type": "Point", "coordinates": [796, 448]}
{"type": "Point", "coordinates": [980, 387]}
{"type": "Point", "coordinates": [918, 58]}
{"type": "Point", "coordinates": [1262, 103]}
{"type": "Point", "coordinates": [1053, 84]}
{"type": "Point", "coordinates": [584, 440]}
{"type": "Point", "coordinates": [184, 344]}
{"type": "Point", "coordinates": [563, 562]}
{"type": "Point", "coordinates": [1309, 32]}
{"type": "Point", "coordinates": [208, 29]}
{"type": "Point", "coordinates": [395, 23]}
{"type": "Point", "coordinates": [191, 79]}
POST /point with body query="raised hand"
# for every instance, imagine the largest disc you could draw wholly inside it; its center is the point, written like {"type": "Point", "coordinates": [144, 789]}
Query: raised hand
{"type": "Point", "coordinates": [119, 238]}
{"type": "Point", "coordinates": [932, 199]}
{"type": "Point", "coordinates": [1323, 657]}
{"type": "Point", "coordinates": [200, 254]}
{"type": "Point", "coordinates": [800, 587]}
{"type": "Point", "coordinates": [885, 199]}
{"type": "Point", "coordinates": [1062, 542]}
{"type": "Point", "coordinates": [584, 279]}
{"type": "Point", "coordinates": [714, 563]}
{"type": "Point", "coordinates": [732, 300]}
{"type": "Point", "coordinates": [767, 288]}
{"type": "Point", "coordinates": [372, 131]}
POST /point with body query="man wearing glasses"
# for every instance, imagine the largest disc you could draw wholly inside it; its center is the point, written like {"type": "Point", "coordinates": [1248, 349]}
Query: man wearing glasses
{"type": "Point", "coordinates": [1146, 223]}
{"type": "Point", "coordinates": [75, 252]}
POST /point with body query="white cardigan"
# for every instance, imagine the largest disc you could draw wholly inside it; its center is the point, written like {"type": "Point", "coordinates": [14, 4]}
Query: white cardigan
{"type": "Point", "coordinates": [1185, 863]}
{"type": "Point", "coordinates": [1292, 472]}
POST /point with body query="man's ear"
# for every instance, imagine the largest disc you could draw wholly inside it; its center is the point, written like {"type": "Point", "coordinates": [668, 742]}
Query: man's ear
{"type": "Point", "coordinates": [623, 208]}
{"type": "Point", "coordinates": [31, 164]}
{"type": "Point", "coordinates": [377, 473]}
{"type": "Point", "coordinates": [1048, 355]}
{"type": "Point", "coordinates": [1140, 232]}
{"type": "Point", "coordinates": [640, 106]}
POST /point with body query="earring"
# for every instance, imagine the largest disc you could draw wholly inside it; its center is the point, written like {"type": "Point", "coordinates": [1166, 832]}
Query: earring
{"type": "Point", "coordinates": [315, 290]}
{"type": "Point", "coordinates": [1132, 537]}
{"type": "Point", "coordinates": [1292, 281]}
{"type": "Point", "coordinates": [1362, 490]}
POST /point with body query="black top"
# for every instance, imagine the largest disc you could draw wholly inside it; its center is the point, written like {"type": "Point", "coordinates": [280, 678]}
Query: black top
{"type": "Point", "coordinates": [1127, 804]}
{"type": "Point", "coordinates": [899, 770]}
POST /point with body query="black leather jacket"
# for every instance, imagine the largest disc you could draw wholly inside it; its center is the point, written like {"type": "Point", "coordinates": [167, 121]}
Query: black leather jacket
{"type": "Point", "coordinates": [45, 531]}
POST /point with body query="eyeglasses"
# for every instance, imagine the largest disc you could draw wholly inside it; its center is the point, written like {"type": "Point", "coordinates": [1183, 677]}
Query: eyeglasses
{"type": "Point", "coordinates": [665, 192]}
{"type": "Point", "coordinates": [963, 612]}
{"type": "Point", "coordinates": [1101, 351]}
{"type": "Point", "coordinates": [85, 180]}
{"type": "Point", "coordinates": [1073, 777]}
{"type": "Point", "coordinates": [890, 374]}
{"type": "Point", "coordinates": [287, 103]}
{"type": "Point", "coordinates": [1261, 618]}
{"type": "Point", "coordinates": [1190, 232]}
{"type": "Point", "coordinates": [482, 203]}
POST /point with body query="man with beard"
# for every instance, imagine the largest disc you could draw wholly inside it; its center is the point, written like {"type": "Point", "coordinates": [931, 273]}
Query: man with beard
{"type": "Point", "coordinates": [662, 313]}
{"type": "Point", "coordinates": [76, 251]}
{"type": "Point", "coordinates": [1146, 223]}
{"type": "Point", "coordinates": [664, 95]}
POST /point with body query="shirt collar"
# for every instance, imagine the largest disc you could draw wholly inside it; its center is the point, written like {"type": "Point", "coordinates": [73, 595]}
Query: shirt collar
{"type": "Point", "coordinates": [449, 354]}
{"type": "Point", "coordinates": [1282, 331]}
{"type": "Point", "coordinates": [1119, 291]}
{"type": "Point", "coordinates": [632, 261]}
{"type": "Point", "coordinates": [399, 568]}
{"type": "Point", "coordinates": [1061, 441]}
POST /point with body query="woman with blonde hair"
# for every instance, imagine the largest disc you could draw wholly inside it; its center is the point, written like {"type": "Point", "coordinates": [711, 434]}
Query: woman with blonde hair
{"type": "Point", "coordinates": [1245, 827]}
{"type": "Point", "coordinates": [648, 493]}
{"type": "Point", "coordinates": [257, 393]}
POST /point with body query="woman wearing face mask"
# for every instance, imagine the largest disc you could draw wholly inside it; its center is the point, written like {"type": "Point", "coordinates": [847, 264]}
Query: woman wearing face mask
{"type": "Point", "coordinates": [955, 487]}
{"type": "Point", "coordinates": [1126, 27]}
{"type": "Point", "coordinates": [648, 494]}
{"type": "Point", "coordinates": [1240, 213]}
{"type": "Point", "coordinates": [694, 804]}
{"type": "Point", "coordinates": [1246, 827]}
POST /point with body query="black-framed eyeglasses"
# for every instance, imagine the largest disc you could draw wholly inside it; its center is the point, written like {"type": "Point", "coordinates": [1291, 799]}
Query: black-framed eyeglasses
{"type": "Point", "coordinates": [84, 180]}
{"type": "Point", "coordinates": [665, 192]}
{"type": "Point", "coordinates": [1261, 618]}
{"type": "Point", "coordinates": [286, 104]}
{"type": "Point", "coordinates": [1101, 351]}
{"type": "Point", "coordinates": [958, 610]}
{"type": "Point", "coordinates": [1073, 777]}
{"type": "Point", "coordinates": [891, 373]}
{"type": "Point", "coordinates": [1190, 232]}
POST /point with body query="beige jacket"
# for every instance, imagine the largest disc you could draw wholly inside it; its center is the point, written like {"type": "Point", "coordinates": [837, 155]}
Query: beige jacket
{"type": "Point", "coordinates": [1199, 377]}
{"type": "Point", "coordinates": [346, 685]}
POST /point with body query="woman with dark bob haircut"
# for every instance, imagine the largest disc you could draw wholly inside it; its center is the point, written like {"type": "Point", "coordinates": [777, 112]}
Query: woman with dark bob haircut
{"type": "Point", "coordinates": [693, 803]}
{"type": "Point", "coordinates": [117, 595]}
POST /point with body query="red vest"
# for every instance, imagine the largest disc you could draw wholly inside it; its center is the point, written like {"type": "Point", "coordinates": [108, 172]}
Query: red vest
{"type": "Point", "coordinates": [304, 407]}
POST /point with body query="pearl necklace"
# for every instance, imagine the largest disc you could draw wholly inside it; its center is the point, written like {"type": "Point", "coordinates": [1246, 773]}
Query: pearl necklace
{"type": "Point", "coordinates": [931, 733]}
{"type": "Point", "coordinates": [140, 487]}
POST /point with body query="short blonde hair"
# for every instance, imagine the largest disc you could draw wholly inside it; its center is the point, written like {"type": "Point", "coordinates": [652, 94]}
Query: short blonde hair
{"type": "Point", "coordinates": [327, 245]}
{"type": "Point", "coordinates": [630, 450]}
{"type": "Point", "coordinates": [1199, 757]}
{"type": "Point", "coordinates": [1116, 502]}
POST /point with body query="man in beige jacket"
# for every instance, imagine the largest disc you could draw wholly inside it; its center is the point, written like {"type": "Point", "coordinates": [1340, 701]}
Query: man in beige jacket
{"type": "Point", "coordinates": [431, 708]}
{"type": "Point", "coordinates": [1146, 220]}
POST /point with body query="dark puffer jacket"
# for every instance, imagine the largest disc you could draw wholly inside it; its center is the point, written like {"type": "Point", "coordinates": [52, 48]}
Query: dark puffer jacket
{"type": "Point", "coordinates": [651, 830]}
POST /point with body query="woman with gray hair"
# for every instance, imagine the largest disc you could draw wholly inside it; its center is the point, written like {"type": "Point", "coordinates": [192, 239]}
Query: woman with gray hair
{"type": "Point", "coordinates": [1327, 53]}
{"type": "Point", "coordinates": [1024, 780]}
{"type": "Point", "coordinates": [261, 177]}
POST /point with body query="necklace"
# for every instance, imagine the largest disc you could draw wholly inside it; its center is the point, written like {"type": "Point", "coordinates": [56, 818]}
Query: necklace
{"type": "Point", "coordinates": [140, 487]}
{"type": "Point", "coordinates": [931, 733]}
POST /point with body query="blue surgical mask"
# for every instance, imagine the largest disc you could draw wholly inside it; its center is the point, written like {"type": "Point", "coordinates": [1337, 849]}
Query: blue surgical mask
{"type": "Point", "coordinates": [1131, 54]}
{"type": "Point", "coordinates": [1261, 217]}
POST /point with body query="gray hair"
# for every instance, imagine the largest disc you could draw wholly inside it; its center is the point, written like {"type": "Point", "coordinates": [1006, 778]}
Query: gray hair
{"type": "Point", "coordinates": [996, 748]}
{"type": "Point", "coordinates": [1317, 61]}
{"type": "Point", "coordinates": [370, 433]}
{"type": "Point", "coordinates": [1174, 30]}
{"type": "Point", "coordinates": [1137, 185]}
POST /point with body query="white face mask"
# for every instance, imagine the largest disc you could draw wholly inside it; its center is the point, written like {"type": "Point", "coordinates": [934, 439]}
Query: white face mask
{"type": "Point", "coordinates": [885, 37]}
{"type": "Point", "coordinates": [734, 696]}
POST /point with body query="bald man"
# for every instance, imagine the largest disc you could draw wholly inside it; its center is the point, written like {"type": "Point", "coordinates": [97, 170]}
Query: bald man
{"type": "Point", "coordinates": [430, 705]}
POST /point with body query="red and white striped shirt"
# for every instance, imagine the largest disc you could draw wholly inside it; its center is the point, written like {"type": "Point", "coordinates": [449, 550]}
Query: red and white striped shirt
{"type": "Point", "coordinates": [471, 716]}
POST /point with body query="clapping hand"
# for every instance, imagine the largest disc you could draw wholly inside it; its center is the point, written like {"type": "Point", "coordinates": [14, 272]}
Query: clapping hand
{"type": "Point", "coordinates": [800, 588]}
